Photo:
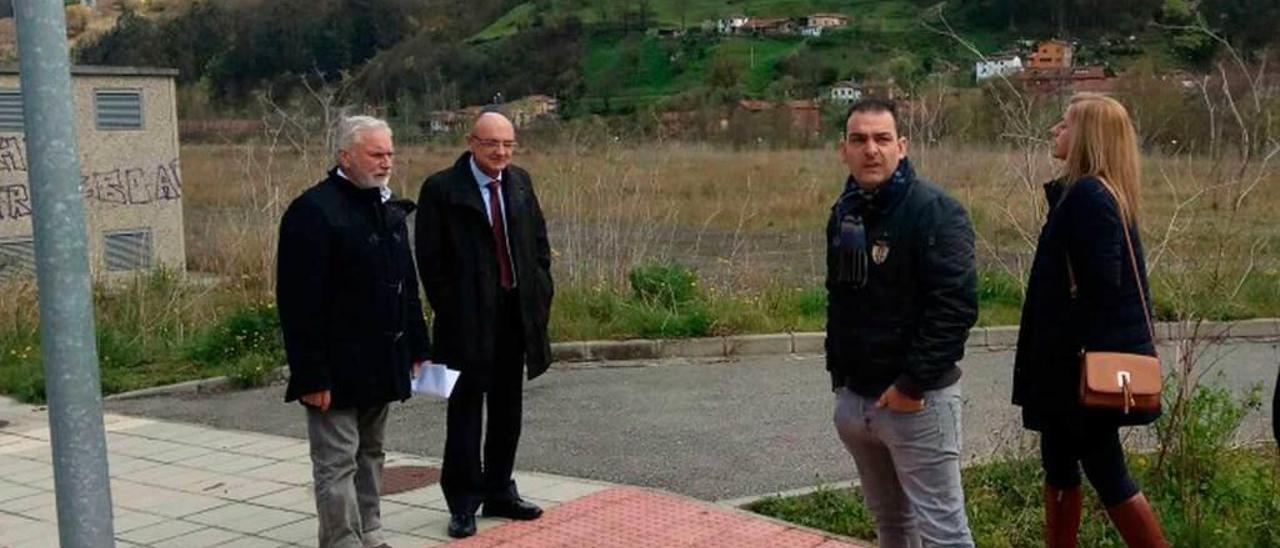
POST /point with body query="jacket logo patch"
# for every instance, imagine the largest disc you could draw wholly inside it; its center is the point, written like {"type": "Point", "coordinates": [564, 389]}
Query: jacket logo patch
{"type": "Point", "coordinates": [880, 251]}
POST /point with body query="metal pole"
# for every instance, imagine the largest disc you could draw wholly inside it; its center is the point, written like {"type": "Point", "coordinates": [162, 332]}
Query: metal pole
{"type": "Point", "coordinates": [62, 278]}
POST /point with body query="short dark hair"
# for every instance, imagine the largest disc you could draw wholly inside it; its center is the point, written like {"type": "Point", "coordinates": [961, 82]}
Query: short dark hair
{"type": "Point", "coordinates": [874, 104]}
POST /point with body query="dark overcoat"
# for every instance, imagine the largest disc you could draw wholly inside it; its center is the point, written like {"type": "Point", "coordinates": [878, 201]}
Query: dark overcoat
{"type": "Point", "coordinates": [457, 260]}
{"type": "Point", "coordinates": [1083, 226]}
{"type": "Point", "coordinates": [347, 294]}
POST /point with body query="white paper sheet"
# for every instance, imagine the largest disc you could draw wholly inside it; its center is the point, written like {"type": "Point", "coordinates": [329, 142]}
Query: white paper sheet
{"type": "Point", "coordinates": [434, 379]}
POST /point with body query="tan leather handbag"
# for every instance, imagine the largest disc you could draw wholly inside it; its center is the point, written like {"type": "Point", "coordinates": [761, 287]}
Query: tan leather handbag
{"type": "Point", "coordinates": [1120, 381]}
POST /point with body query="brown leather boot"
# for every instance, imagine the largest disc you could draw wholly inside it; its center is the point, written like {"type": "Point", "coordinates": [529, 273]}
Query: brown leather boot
{"type": "Point", "coordinates": [1061, 516]}
{"type": "Point", "coordinates": [1137, 523]}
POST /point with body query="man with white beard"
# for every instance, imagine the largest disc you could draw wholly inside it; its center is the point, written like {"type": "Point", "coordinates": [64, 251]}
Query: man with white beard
{"type": "Point", "coordinates": [347, 290]}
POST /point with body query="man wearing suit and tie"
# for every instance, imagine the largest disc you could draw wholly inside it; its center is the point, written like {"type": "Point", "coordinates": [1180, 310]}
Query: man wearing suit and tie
{"type": "Point", "coordinates": [485, 264]}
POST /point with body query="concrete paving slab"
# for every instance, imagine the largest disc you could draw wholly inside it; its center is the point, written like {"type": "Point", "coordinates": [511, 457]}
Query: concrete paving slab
{"type": "Point", "coordinates": [245, 518]}
{"type": "Point", "coordinates": [47, 513]}
{"type": "Point", "coordinates": [252, 542]}
{"type": "Point", "coordinates": [11, 490]}
{"type": "Point", "coordinates": [241, 489]}
{"type": "Point", "coordinates": [303, 532]}
{"type": "Point", "coordinates": [202, 538]}
{"type": "Point", "coordinates": [298, 499]}
{"type": "Point", "coordinates": [429, 496]}
{"type": "Point", "coordinates": [291, 473]}
{"type": "Point", "coordinates": [125, 520]}
{"type": "Point", "coordinates": [568, 491]}
{"type": "Point", "coordinates": [174, 504]}
{"type": "Point", "coordinates": [217, 461]}
{"type": "Point", "coordinates": [27, 532]}
{"type": "Point", "coordinates": [31, 501]}
{"type": "Point", "coordinates": [161, 531]}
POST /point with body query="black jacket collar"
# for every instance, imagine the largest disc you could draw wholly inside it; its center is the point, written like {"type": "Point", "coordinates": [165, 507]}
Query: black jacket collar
{"type": "Point", "coordinates": [397, 209]}
{"type": "Point", "coordinates": [1053, 192]}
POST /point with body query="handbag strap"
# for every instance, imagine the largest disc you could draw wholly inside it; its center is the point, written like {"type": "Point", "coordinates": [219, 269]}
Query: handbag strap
{"type": "Point", "coordinates": [1133, 262]}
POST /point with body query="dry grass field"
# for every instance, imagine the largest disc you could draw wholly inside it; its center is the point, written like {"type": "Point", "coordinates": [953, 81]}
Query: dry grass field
{"type": "Point", "coordinates": [745, 219]}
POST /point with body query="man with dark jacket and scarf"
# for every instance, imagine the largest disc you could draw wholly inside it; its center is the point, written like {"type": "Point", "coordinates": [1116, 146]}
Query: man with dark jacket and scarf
{"type": "Point", "coordinates": [902, 285]}
{"type": "Point", "coordinates": [353, 328]}
{"type": "Point", "coordinates": [486, 268]}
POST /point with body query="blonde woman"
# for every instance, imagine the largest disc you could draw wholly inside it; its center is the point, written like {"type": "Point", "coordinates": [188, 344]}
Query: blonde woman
{"type": "Point", "coordinates": [1083, 293]}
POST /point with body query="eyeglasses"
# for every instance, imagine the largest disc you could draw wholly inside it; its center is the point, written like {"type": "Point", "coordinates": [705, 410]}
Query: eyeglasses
{"type": "Point", "coordinates": [494, 143]}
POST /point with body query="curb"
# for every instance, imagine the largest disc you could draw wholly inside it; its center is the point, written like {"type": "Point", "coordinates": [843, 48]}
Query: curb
{"type": "Point", "coordinates": [740, 505]}
{"type": "Point", "coordinates": [199, 386]}
{"type": "Point", "coordinates": [619, 353]}
{"type": "Point", "coordinates": [992, 338]}
{"type": "Point", "coordinates": [743, 502]}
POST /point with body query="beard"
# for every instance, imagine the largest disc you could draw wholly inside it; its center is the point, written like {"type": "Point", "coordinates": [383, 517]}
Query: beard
{"type": "Point", "coordinates": [365, 180]}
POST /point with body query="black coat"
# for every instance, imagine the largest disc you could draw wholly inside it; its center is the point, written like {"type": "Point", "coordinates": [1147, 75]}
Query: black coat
{"type": "Point", "coordinates": [1106, 314]}
{"type": "Point", "coordinates": [459, 267]}
{"type": "Point", "coordinates": [348, 295]}
{"type": "Point", "coordinates": [908, 325]}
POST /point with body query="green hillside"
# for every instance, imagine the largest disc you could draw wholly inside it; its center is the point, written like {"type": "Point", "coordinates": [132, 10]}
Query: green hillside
{"type": "Point", "coordinates": [608, 56]}
{"type": "Point", "coordinates": [877, 14]}
{"type": "Point", "coordinates": [625, 68]}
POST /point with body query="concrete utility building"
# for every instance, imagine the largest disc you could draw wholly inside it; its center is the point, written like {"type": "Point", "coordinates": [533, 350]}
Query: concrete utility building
{"type": "Point", "coordinates": [127, 124]}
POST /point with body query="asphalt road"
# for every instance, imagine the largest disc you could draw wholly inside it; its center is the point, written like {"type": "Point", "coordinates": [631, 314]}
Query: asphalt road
{"type": "Point", "coordinates": [710, 429]}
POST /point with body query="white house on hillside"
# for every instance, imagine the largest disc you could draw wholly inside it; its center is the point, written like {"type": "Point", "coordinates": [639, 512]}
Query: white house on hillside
{"type": "Point", "coordinates": [731, 24]}
{"type": "Point", "coordinates": [827, 20]}
{"type": "Point", "coordinates": [997, 65]}
{"type": "Point", "coordinates": [845, 92]}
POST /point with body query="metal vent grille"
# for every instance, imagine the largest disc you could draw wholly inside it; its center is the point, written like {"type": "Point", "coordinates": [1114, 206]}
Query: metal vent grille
{"type": "Point", "coordinates": [128, 250]}
{"type": "Point", "coordinates": [10, 110]}
{"type": "Point", "coordinates": [17, 258]}
{"type": "Point", "coordinates": [118, 108]}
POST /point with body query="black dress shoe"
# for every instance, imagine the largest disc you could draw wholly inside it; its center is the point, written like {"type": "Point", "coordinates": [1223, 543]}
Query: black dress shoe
{"type": "Point", "coordinates": [518, 509]}
{"type": "Point", "coordinates": [462, 525]}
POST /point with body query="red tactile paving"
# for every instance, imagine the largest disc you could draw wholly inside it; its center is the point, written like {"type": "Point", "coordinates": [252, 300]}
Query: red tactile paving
{"type": "Point", "coordinates": [627, 517]}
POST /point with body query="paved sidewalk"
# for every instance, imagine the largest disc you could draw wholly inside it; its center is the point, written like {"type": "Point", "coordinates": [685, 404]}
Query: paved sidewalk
{"type": "Point", "coordinates": [187, 486]}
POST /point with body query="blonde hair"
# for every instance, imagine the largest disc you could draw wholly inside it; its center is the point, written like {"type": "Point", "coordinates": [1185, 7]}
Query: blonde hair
{"type": "Point", "coordinates": [1105, 145]}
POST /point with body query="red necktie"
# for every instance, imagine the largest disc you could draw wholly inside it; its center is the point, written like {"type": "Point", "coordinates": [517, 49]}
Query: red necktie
{"type": "Point", "coordinates": [500, 237]}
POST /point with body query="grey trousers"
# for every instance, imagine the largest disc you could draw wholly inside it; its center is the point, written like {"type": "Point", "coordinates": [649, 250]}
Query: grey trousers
{"type": "Point", "coordinates": [346, 464]}
{"type": "Point", "coordinates": [909, 467]}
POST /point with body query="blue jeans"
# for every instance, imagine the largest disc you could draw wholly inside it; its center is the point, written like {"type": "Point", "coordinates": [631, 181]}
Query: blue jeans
{"type": "Point", "coordinates": [909, 467]}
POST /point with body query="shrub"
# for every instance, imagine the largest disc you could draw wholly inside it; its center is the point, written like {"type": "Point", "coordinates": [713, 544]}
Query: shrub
{"type": "Point", "coordinates": [20, 367]}
{"type": "Point", "coordinates": [813, 302]}
{"type": "Point", "coordinates": [664, 284]}
{"type": "Point", "coordinates": [251, 330]}
{"type": "Point", "coordinates": [689, 319]}
{"type": "Point", "coordinates": [255, 369]}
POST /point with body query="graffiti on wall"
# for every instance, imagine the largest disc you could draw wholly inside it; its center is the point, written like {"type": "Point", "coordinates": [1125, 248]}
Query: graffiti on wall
{"type": "Point", "coordinates": [126, 186]}
{"type": "Point", "coordinates": [133, 185]}
{"type": "Point", "coordinates": [13, 156]}
{"type": "Point", "coordinates": [15, 202]}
